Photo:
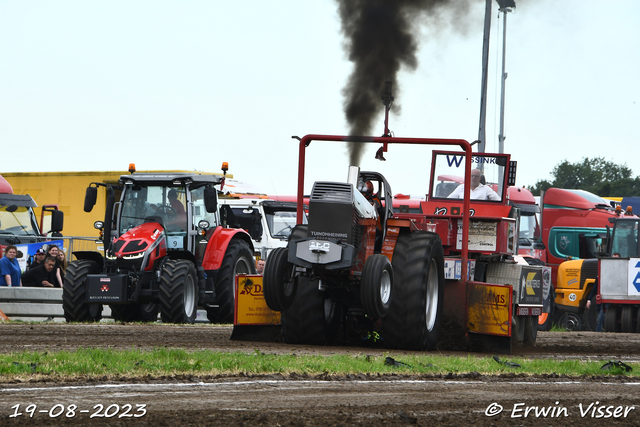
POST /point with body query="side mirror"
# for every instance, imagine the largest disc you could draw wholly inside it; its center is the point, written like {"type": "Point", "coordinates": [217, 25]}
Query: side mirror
{"type": "Point", "coordinates": [57, 221]}
{"type": "Point", "coordinates": [211, 199]}
{"type": "Point", "coordinates": [90, 198]}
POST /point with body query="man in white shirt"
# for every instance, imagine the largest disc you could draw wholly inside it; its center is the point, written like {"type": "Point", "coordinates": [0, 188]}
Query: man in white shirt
{"type": "Point", "coordinates": [478, 191]}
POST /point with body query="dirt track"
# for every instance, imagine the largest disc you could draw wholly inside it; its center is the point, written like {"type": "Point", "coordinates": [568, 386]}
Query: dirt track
{"type": "Point", "coordinates": [275, 400]}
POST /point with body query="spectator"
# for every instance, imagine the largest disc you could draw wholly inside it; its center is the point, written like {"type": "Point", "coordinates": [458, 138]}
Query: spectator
{"type": "Point", "coordinates": [260, 266]}
{"type": "Point", "coordinates": [42, 275]}
{"type": "Point", "coordinates": [53, 252]}
{"type": "Point", "coordinates": [62, 258]}
{"type": "Point", "coordinates": [478, 190]}
{"type": "Point", "coordinates": [10, 273]}
{"type": "Point", "coordinates": [38, 259]}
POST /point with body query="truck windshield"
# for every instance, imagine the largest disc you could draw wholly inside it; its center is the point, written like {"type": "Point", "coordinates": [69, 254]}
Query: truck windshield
{"type": "Point", "coordinates": [281, 223]}
{"type": "Point", "coordinates": [165, 205]}
{"type": "Point", "coordinates": [625, 239]}
{"type": "Point", "coordinates": [18, 223]}
{"type": "Point", "coordinates": [448, 176]}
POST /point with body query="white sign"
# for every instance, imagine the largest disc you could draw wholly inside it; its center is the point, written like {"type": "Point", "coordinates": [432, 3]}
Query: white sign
{"type": "Point", "coordinates": [634, 277]}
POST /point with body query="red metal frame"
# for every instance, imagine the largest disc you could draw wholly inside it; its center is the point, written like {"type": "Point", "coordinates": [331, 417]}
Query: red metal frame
{"type": "Point", "coordinates": [465, 145]}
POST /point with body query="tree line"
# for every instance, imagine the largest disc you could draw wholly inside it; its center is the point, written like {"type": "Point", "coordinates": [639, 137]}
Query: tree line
{"type": "Point", "coordinates": [597, 175]}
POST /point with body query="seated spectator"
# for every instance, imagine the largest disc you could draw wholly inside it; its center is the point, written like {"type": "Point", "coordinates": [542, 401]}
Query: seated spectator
{"type": "Point", "coordinates": [42, 275]}
{"type": "Point", "coordinates": [62, 258]}
{"type": "Point", "coordinates": [53, 252]}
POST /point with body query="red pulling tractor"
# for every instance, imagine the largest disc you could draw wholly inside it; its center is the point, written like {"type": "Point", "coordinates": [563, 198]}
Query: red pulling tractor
{"type": "Point", "coordinates": [407, 274]}
{"type": "Point", "coordinates": [167, 248]}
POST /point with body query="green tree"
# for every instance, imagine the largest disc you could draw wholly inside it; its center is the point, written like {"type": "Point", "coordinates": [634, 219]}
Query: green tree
{"type": "Point", "coordinates": [596, 175]}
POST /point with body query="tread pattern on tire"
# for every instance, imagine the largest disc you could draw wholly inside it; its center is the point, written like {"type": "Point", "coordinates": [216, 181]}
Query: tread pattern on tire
{"type": "Point", "coordinates": [305, 321]}
{"type": "Point", "coordinates": [74, 293]}
{"type": "Point", "coordinates": [610, 319]}
{"type": "Point", "coordinates": [405, 326]}
{"type": "Point", "coordinates": [225, 284]}
{"type": "Point", "coordinates": [370, 286]}
{"type": "Point", "coordinates": [627, 323]}
{"type": "Point", "coordinates": [276, 272]}
{"type": "Point", "coordinates": [172, 281]}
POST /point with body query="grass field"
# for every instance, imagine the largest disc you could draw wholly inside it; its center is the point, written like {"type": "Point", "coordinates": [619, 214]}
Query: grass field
{"type": "Point", "coordinates": [109, 364]}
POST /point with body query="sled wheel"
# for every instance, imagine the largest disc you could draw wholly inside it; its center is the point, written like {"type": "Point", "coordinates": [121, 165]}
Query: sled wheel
{"type": "Point", "coordinates": [610, 319]}
{"type": "Point", "coordinates": [627, 323]}
{"type": "Point", "coordinates": [530, 331]}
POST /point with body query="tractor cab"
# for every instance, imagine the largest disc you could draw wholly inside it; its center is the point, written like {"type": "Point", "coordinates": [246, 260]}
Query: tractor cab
{"type": "Point", "coordinates": [176, 202]}
{"type": "Point", "coordinates": [488, 176]}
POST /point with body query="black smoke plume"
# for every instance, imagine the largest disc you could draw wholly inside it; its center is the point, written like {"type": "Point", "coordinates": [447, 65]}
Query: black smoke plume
{"type": "Point", "coordinates": [380, 39]}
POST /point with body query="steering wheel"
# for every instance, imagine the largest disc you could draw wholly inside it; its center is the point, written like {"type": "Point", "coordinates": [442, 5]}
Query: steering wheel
{"type": "Point", "coordinates": [167, 212]}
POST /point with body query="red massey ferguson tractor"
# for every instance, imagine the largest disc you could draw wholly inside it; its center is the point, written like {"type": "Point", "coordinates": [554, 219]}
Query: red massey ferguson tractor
{"type": "Point", "coordinates": [404, 274]}
{"type": "Point", "coordinates": [167, 249]}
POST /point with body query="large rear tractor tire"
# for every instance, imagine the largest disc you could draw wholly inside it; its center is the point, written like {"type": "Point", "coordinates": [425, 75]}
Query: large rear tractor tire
{"type": "Point", "coordinates": [237, 260]}
{"type": "Point", "coordinates": [178, 292]}
{"type": "Point", "coordinates": [313, 318]}
{"type": "Point", "coordinates": [376, 285]}
{"type": "Point", "coordinates": [278, 285]}
{"type": "Point", "coordinates": [611, 319]}
{"type": "Point", "coordinates": [74, 293]}
{"type": "Point", "coordinates": [135, 312]}
{"type": "Point", "coordinates": [414, 320]}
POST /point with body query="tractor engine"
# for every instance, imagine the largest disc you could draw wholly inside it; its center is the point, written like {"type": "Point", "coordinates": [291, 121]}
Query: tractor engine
{"type": "Point", "coordinates": [140, 247]}
{"type": "Point", "coordinates": [335, 231]}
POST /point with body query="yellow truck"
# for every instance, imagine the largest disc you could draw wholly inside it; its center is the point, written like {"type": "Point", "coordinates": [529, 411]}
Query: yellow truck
{"type": "Point", "coordinates": [67, 190]}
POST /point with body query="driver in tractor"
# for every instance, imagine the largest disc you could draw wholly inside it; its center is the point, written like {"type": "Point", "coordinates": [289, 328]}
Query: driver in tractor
{"type": "Point", "coordinates": [180, 220]}
{"type": "Point", "coordinates": [366, 188]}
{"type": "Point", "coordinates": [478, 190]}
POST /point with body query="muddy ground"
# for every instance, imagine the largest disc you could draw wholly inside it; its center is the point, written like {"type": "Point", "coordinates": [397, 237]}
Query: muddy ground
{"type": "Point", "coordinates": [315, 401]}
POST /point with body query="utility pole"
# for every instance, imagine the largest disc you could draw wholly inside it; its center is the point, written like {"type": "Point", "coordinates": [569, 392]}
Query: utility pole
{"type": "Point", "coordinates": [483, 90]}
{"type": "Point", "coordinates": [506, 6]}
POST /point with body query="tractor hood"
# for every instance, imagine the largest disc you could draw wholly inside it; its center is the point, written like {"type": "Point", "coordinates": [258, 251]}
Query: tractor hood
{"type": "Point", "coordinates": [145, 242]}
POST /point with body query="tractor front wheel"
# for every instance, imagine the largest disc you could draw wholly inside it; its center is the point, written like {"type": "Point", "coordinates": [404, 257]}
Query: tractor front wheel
{"type": "Point", "coordinates": [74, 293]}
{"type": "Point", "coordinates": [376, 286]}
{"type": "Point", "coordinates": [278, 285]}
{"type": "Point", "coordinates": [178, 292]}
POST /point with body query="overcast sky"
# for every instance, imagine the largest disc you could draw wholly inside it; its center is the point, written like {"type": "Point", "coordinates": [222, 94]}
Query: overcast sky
{"type": "Point", "coordinates": [96, 85]}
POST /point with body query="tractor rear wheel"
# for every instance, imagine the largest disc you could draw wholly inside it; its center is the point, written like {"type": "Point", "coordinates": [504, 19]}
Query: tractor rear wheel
{"type": "Point", "coordinates": [414, 320]}
{"type": "Point", "coordinates": [376, 285]}
{"type": "Point", "coordinates": [627, 323]}
{"type": "Point", "coordinates": [178, 292]}
{"type": "Point", "coordinates": [611, 319]}
{"type": "Point", "coordinates": [313, 318]}
{"type": "Point", "coordinates": [74, 293]}
{"type": "Point", "coordinates": [278, 285]}
{"type": "Point", "coordinates": [237, 260]}
{"type": "Point", "coordinates": [135, 312]}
